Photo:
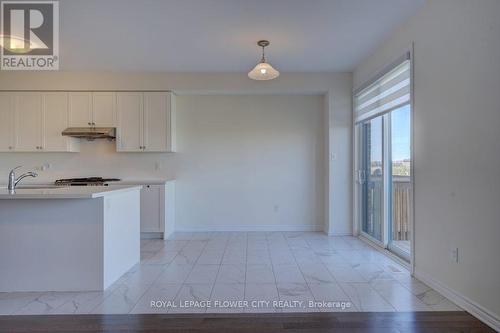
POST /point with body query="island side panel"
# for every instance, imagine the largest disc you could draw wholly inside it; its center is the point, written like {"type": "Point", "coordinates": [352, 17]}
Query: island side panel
{"type": "Point", "coordinates": [51, 245]}
{"type": "Point", "coordinates": [121, 230]}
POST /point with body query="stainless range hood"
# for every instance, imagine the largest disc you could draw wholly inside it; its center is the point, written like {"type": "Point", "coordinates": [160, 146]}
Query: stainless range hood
{"type": "Point", "coordinates": [91, 133]}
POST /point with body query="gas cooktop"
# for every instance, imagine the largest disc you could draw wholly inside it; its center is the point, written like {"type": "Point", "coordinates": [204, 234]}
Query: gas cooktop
{"type": "Point", "coordinates": [88, 181]}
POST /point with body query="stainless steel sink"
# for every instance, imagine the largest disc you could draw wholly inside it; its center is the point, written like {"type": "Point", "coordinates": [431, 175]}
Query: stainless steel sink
{"type": "Point", "coordinates": [37, 187]}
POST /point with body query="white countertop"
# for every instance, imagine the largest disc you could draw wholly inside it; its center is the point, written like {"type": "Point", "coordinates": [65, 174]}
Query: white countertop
{"type": "Point", "coordinates": [151, 181]}
{"type": "Point", "coordinates": [142, 181]}
{"type": "Point", "coordinates": [66, 192]}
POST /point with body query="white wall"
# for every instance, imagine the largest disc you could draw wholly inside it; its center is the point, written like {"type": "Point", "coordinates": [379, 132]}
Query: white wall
{"type": "Point", "coordinates": [250, 163]}
{"type": "Point", "coordinates": [100, 158]}
{"type": "Point", "coordinates": [457, 137]}
{"type": "Point", "coordinates": [338, 160]}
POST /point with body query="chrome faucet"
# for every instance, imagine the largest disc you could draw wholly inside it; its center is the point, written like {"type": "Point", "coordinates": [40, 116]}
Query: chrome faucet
{"type": "Point", "coordinates": [13, 180]}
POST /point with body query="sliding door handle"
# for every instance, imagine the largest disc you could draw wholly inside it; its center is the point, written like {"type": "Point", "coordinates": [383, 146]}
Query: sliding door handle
{"type": "Point", "coordinates": [361, 176]}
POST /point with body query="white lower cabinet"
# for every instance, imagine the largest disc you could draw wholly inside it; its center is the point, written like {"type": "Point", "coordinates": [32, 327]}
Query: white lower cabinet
{"type": "Point", "coordinates": [158, 210]}
{"type": "Point", "coordinates": [152, 197]}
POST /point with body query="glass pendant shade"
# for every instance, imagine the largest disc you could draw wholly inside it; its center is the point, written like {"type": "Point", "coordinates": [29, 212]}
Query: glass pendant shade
{"type": "Point", "coordinates": [263, 71]}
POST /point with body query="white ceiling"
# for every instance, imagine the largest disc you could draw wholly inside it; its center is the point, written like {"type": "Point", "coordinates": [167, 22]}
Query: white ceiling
{"type": "Point", "coordinates": [220, 35]}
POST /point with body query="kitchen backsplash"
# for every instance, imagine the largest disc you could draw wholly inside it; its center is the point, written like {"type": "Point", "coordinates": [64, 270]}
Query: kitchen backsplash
{"type": "Point", "coordinates": [97, 158]}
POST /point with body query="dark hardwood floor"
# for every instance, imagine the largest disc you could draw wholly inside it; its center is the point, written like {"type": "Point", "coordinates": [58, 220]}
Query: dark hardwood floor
{"type": "Point", "coordinates": [356, 322]}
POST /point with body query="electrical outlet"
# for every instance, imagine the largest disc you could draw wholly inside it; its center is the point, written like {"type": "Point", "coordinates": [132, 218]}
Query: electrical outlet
{"type": "Point", "coordinates": [158, 166]}
{"type": "Point", "coordinates": [454, 254]}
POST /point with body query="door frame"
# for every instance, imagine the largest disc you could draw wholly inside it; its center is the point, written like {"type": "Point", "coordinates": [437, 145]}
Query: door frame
{"type": "Point", "coordinates": [357, 191]}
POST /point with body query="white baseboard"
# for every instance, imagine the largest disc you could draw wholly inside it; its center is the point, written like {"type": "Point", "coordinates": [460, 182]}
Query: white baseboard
{"type": "Point", "coordinates": [462, 301]}
{"type": "Point", "coordinates": [249, 228]}
{"type": "Point", "coordinates": [333, 233]}
{"type": "Point", "coordinates": [168, 235]}
{"type": "Point", "coordinates": [151, 235]}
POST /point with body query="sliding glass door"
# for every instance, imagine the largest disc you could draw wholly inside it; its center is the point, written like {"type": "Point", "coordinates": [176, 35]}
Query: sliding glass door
{"type": "Point", "coordinates": [384, 188]}
{"type": "Point", "coordinates": [372, 178]}
{"type": "Point", "coordinates": [401, 187]}
{"type": "Point", "coordinates": [384, 180]}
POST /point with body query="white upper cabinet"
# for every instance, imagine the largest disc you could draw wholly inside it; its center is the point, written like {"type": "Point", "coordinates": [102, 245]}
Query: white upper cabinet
{"type": "Point", "coordinates": [130, 114]}
{"type": "Point", "coordinates": [6, 122]}
{"type": "Point", "coordinates": [96, 109]}
{"type": "Point", "coordinates": [55, 120]}
{"type": "Point", "coordinates": [80, 109]}
{"type": "Point", "coordinates": [145, 122]}
{"type": "Point", "coordinates": [28, 121]}
{"type": "Point", "coordinates": [34, 121]}
{"type": "Point", "coordinates": [156, 121]}
{"type": "Point", "coordinates": [104, 109]}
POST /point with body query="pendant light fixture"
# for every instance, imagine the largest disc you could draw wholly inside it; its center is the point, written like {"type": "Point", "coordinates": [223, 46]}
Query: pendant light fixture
{"type": "Point", "coordinates": [263, 70]}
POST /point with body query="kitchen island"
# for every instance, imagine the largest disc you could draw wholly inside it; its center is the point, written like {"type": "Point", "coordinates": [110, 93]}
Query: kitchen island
{"type": "Point", "coordinates": [68, 238]}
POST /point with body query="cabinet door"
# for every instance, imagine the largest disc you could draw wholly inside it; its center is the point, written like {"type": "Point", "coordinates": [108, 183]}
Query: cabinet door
{"type": "Point", "coordinates": [6, 122]}
{"type": "Point", "coordinates": [151, 213]}
{"type": "Point", "coordinates": [28, 118]}
{"type": "Point", "coordinates": [104, 109]}
{"type": "Point", "coordinates": [55, 120]}
{"type": "Point", "coordinates": [129, 131]}
{"type": "Point", "coordinates": [157, 121]}
{"type": "Point", "coordinates": [80, 109]}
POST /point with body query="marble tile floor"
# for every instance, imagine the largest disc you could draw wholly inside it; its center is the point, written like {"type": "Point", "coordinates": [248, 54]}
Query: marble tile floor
{"type": "Point", "coordinates": [246, 272]}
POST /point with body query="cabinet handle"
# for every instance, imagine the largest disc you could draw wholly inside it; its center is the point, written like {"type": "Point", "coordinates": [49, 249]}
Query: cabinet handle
{"type": "Point", "coordinates": [89, 124]}
{"type": "Point", "coordinates": [10, 147]}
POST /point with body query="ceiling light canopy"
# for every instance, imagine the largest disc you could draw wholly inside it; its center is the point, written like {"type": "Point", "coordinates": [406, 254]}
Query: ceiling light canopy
{"type": "Point", "coordinates": [263, 70]}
